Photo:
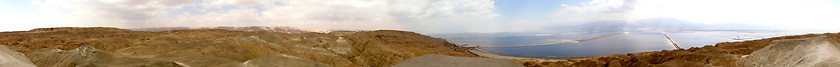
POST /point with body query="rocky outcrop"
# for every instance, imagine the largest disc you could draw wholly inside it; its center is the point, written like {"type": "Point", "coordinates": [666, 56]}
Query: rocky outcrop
{"type": "Point", "coordinates": [387, 47]}
{"type": "Point", "coordinates": [11, 58]}
{"type": "Point", "coordinates": [805, 52]}
{"type": "Point", "coordinates": [89, 56]}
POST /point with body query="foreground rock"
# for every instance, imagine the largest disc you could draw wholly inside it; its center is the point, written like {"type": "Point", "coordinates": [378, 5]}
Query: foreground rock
{"type": "Point", "coordinates": [86, 56]}
{"type": "Point", "coordinates": [221, 48]}
{"type": "Point", "coordinates": [11, 58]}
{"type": "Point", "coordinates": [805, 52]}
{"type": "Point", "coordinates": [434, 60]}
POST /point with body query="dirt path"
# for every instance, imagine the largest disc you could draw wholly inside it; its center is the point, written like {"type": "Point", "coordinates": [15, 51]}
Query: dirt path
{"type": "Point", "coordinates": [489, 55]}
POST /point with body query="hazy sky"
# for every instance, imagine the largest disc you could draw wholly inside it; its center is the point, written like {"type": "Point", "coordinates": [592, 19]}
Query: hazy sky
{"type": "Point", "coordinates": [424, 16]}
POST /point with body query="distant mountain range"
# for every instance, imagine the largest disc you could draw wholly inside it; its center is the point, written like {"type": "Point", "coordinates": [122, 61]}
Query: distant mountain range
{"type": "Point", "coordinates": [249, 28]}
{"type": "Point", "coordinates": [659, 24]}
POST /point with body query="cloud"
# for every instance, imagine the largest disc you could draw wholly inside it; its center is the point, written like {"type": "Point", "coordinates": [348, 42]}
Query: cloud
{"type": "Point", "coordinates": [596, 10]}
{"type": "Point", "coordinates": [425, 16]}
{"type": "Point", "coordinates": [418, 15]}
{"type": "Point", "coordinates": [785, 13]}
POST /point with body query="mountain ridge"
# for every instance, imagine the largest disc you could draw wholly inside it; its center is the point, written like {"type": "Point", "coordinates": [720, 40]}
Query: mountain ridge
{"type": "Point", "coordinates": [246, 28]}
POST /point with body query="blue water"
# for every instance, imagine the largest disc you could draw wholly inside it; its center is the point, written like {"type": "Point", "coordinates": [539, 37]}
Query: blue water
{"type": "Point", "coordinates": [632, 42]}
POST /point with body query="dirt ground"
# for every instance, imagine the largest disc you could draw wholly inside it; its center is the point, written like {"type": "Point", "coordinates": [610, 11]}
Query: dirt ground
{"type": "Point", "coordinates": [724, 54]}
{"type": "Point", "coordinates": [216, 47]}
{"type": "Point", "coordinates": [818, 51]}
{"type": "Point", "coordinates": [434, 60]}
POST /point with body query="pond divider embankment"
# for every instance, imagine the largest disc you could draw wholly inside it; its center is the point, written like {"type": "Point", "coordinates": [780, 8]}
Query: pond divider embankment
{"type": "Point", "coordinates": [672, 41]}
{"type": "Point", "coordinates": [576, 41]}
{"type": "Point", "coordinates": [479, 50]}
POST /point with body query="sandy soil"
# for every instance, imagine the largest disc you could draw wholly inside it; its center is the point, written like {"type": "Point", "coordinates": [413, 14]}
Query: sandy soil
{"type": "Point", "coordinates": [805, 52]}
{"type": "Point", "coordinates": [11, 58]}
{"type": "Point", "coordinates": [215, 47]}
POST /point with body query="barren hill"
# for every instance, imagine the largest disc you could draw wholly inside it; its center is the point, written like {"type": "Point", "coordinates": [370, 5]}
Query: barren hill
{"type": "Point", "coordinates": [102, 46]}
{"type": "Point", "coordinates": [249, 28]}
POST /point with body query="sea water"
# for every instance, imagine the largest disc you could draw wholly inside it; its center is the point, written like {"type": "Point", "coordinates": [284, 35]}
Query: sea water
{"type": "Point", "coordinates": [632, 42]}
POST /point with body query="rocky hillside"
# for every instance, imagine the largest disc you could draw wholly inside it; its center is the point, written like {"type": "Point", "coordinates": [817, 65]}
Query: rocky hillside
{"type": "Point", "coordinates": [250, 28]}
{"type": "Point", "coordinates": [101, 46]}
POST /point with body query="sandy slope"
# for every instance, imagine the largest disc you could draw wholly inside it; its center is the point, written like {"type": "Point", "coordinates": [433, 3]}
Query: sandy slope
{"type": "Point", "coordinates": [805, 52]}
{"type": "Point", "coordinates": [11, 58]}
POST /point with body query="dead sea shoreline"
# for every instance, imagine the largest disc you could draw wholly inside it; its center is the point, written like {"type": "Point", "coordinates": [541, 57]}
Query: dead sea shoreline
{"type": "Point", "coordinates": [722, 54]}
{"type": "Point", "coordinates": [727, 54]}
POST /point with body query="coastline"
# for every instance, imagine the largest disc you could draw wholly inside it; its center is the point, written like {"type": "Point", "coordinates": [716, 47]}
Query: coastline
{"type": "Point", "coordinates": [727, 54]}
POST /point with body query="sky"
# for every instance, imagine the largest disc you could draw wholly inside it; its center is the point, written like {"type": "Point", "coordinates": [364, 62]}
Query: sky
{"type": "Point", "coordinates": [423, 16]}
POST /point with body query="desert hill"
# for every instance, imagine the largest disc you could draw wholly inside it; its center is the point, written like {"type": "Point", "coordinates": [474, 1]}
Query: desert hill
{"type": "Point", "coordinates": [249, 28]}
{"type": "Point", "coordinates": [103, 46]}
